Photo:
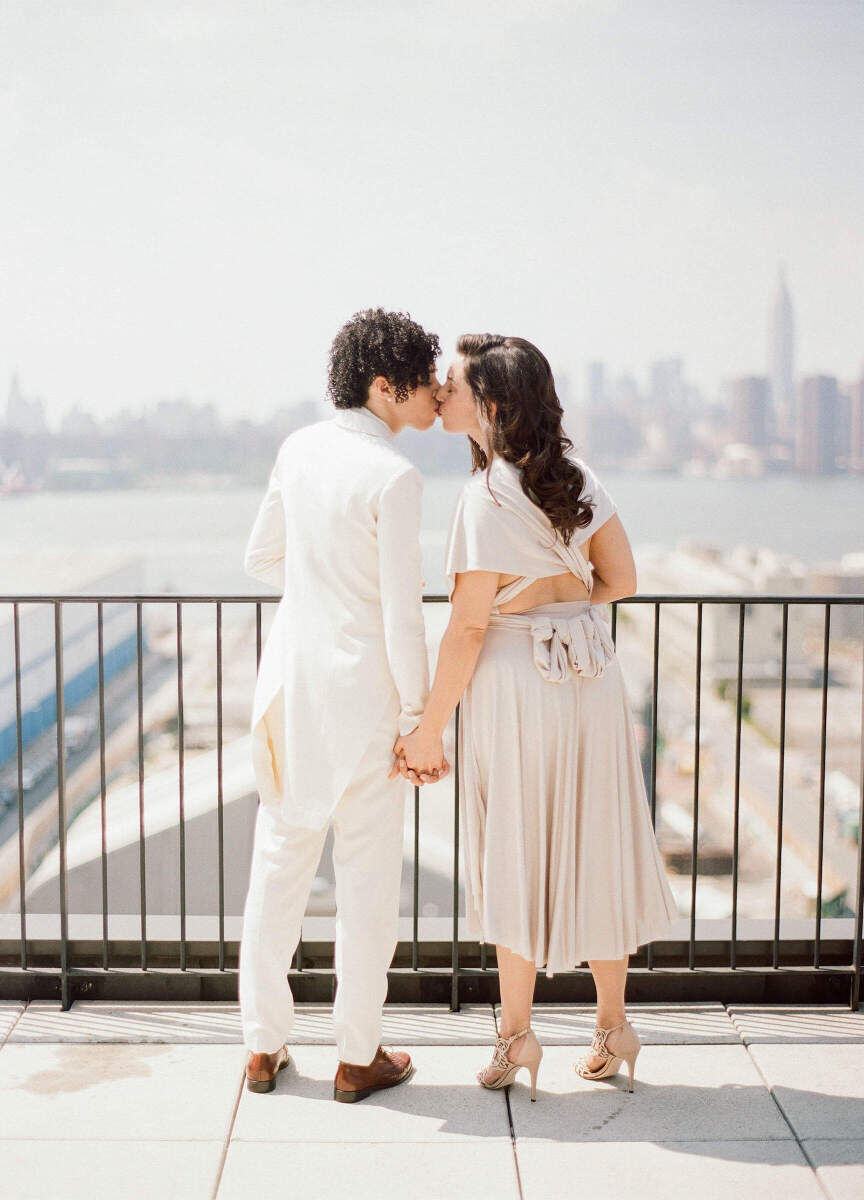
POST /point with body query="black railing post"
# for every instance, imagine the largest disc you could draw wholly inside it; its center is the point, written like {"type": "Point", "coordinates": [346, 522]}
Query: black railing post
{"type": "Point", "coordinates": [103, 784]}
{"type": "Point", "coordinates": [697, 729]}
{"type": "Point", "coordinates": [652, 797]}
{"type": "Point", "coordinates": [142, 871]}
{"type": "Point", "coordinates": [181, 814]}
{"type": "Point", "coordinates": [733, 940]}
{"type": "Point", "coordinates": [19, 746]}
{"type": "Point", "coordinates": [781, 771]}
{"type": "Point", "coordinates": [817, 942]}
{"type": "Point", "coordinates": [415, 952]}
{"type": "Point", "coordinates": [454, 958]}
{"type": "Point", "coordinates": [65, 990]}
{"type": "Point", "coordinates": [220, 813]}
{"type": "Point", "coordinates": [855, 996]}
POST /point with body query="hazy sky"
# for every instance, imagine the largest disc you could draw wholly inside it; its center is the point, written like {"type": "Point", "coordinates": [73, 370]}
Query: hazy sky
{"type": "Point", "coordinates": [196, 195]}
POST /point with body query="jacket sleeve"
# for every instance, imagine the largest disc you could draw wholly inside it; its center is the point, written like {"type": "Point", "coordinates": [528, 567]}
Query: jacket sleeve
{"type": "Point", "coordinates": [401, 586]}
{"type": "Point", "coordinates": [264, 557]}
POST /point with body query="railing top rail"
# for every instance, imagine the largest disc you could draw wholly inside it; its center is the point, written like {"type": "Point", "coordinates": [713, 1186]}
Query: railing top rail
{"type": "Point", "coordinates": [432, 598]}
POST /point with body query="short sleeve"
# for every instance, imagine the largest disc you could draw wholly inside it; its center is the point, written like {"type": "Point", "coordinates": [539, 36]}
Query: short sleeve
{"type": "Point", "coordinates": [488, 536]}
{"type": "Point", "coordinates": [604, 505]}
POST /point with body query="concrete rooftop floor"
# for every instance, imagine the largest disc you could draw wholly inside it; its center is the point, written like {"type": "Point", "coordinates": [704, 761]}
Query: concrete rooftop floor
{"type": "Point", "coordinates": [147, 1100]}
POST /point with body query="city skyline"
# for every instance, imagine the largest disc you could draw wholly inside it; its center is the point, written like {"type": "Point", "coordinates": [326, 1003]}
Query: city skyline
{"type": "Point", "coordinates": [199, 198]}
{"type": "Point", "coordinates": [767, 401]}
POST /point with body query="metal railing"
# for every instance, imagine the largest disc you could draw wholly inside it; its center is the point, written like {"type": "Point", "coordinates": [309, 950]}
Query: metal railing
{"type": "Point", "coordinates": [764, 967]}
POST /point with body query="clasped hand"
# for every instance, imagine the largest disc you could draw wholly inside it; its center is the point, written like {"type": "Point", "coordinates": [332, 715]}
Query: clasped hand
{"type": "Point", "coordinates": [419, 758]}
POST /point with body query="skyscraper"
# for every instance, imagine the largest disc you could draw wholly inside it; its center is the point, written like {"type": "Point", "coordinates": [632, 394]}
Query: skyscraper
{"type": "Point", "coordinates": [817, 433]}
{"type": "Point", "coordinates": [595, 385]}
{"type": "Point", "coordinates": [670, 399]}
{"type": "Point", "coordinates": [781, 367]}
{"type": "Point", "coordinates": [856, 438]}
{"type": "Point", "coordinates": [750, 410]}
{"type": "Point", "coordinates": [667, 387]}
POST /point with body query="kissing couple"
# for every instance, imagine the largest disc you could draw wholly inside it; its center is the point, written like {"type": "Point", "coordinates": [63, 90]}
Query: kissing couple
{"type": "Point", "coordinates": [561, 863]}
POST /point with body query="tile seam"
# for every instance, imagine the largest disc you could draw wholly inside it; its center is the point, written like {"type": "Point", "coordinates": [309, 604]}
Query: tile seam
{"type": "Point", "coordinates": [819, 1182]}
{"type": "Point", "coordinates": [226, 1141]}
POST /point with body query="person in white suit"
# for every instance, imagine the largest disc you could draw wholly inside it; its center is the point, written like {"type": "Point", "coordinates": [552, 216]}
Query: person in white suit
{"type": "Point", "coordinates": [343, 674]}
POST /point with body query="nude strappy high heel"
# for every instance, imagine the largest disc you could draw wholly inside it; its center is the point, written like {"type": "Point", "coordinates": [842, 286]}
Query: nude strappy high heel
{"type": "Point", "coordinates": [528, 1054]}
{"type": "Point", "coordinates": [627, 1049]}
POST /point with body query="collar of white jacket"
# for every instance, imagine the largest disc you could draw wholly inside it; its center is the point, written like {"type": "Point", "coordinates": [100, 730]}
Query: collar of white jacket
{"type": "Point", "coordinates": [364, 420]}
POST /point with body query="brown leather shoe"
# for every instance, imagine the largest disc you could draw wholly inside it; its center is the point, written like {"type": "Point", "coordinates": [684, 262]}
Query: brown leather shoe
{"type": "Point", "coordinates": [262, 1069]}
{"type": "Point", "coordinates": [386, 1069]}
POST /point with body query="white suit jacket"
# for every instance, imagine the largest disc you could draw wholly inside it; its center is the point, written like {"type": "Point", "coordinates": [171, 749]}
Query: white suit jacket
{"type": "Point", "coordinates": [338, 532]}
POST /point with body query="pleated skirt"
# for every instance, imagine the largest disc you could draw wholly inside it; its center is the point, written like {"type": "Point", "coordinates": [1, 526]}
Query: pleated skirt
{"type": "Point", "coordinates": [561, 863]}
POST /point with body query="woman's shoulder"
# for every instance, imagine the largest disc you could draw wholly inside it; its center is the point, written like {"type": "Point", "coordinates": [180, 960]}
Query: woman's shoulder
{"type": "Point", "coordinates": [503, 486]}
{"type": "Point", "coordinates": [476, 485]}
{"type": "Point", "coordinates": [500, 469]}
{"type": "Point", "coordinates": [504, 473]}
{"type": "Point", "coordinates": [485, 493]}
{"type": "Point", "coordinates": [475, 502]}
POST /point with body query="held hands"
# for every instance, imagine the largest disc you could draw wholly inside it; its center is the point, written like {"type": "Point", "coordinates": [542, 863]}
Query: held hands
{"type": "Point", "coordinates": [419, 758]}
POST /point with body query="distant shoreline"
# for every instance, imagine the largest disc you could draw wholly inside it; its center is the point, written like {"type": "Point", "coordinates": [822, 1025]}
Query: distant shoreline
{"type": "Point", "coordinates": [226, 482]}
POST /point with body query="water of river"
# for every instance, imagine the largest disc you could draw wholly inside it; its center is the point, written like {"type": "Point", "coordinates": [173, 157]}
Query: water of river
{"type": "Point", "coordinates": [193, 540]}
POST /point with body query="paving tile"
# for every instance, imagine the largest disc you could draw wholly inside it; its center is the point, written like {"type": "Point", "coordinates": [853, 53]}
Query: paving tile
{"type": "Point", "coordinates": [10, 1012]}
{"type": "Point", "coordinates": [441, 1102]}
{"type": "Point", "coordinates": [693, 1092]}
{"type": "Point", "coordinates": [190, 1022]}
{"type": "Point", "coordinates": [644, 1170]}
{"type": "Point", "coordinates": [661, 1024]}
{"type": "Point", "coordinates": [423, 1025]}
{"type": "Point", "coordinates": [107, 1021]}
{"type": "Point", "coordinates": [423, 1171]}
{"type": "Point", "coordinates": [839, 1164]}
{"type": "Point", "coordinates": [797, 1023]}
{"type": "Point", "coordinates": [124, 1170]}
{"type": "Point", "coordinates": [412, 1024]}
{"type": "Point", "coordinates": [164, 1092]}
{"type": "Point", "coordinates": [819, 1088]}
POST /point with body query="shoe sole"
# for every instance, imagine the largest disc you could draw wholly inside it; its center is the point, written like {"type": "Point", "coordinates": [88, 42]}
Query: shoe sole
{"type": "Point", "coordinates": [352, 1097]}
{"type": "Point", "coordinates": [265, 1085]}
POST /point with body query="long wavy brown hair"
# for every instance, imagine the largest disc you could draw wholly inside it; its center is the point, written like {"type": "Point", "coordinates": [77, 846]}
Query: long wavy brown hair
{"type": "Point", "coordinates": [526, 428]}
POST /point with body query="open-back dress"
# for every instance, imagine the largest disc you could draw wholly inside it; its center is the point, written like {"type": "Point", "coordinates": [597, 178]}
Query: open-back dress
{"type": "Point", "coordinates": [561, 860]}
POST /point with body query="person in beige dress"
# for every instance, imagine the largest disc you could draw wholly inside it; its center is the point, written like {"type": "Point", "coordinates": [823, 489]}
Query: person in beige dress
{"type": "Point", "coordinates": [561, 860]}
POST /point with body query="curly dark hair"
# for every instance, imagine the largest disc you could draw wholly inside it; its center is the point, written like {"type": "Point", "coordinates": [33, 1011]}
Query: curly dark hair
{"type": "Point", "coordinates": [375, 342]}
{"type": "Point", "coordinates": [526, 429]}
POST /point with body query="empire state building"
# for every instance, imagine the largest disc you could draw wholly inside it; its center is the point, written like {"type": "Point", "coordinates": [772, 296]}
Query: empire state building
{"type": "Point", "coordinates": [782, 359]}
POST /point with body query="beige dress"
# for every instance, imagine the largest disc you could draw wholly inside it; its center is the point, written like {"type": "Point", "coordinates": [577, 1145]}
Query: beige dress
{"type": "Point", "coordinates": [560, 857]}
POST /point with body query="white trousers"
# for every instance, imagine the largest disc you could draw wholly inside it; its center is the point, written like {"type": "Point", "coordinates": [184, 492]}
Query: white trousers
{"type": "Point", "coordinates": [368, 824]}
